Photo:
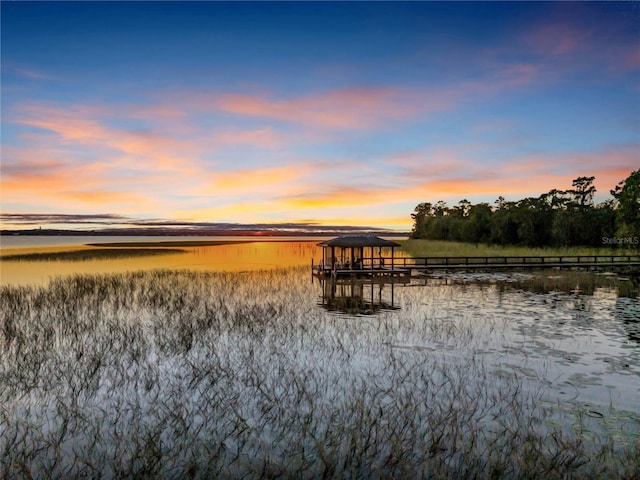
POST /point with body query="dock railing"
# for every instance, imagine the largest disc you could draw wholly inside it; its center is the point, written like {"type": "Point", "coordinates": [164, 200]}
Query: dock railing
{"type": "Point", "coordinates": [378, 265]}
{"type": "Point", "coordinates": [517, 261]}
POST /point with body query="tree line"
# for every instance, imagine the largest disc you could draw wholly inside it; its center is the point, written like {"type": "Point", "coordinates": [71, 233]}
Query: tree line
{"type": "Point", "coordinates": [557, 218]}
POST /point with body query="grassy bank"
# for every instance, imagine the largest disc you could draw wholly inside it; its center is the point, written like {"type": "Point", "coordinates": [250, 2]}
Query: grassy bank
{"type": "Point", "coordinates": [172, 243]}
{"type": "Point", "coordinates": [441, 248]}
{"type": "Point", "coordinates": [88, 254]}
{"type": "Point", "coordinates": [203, 375]}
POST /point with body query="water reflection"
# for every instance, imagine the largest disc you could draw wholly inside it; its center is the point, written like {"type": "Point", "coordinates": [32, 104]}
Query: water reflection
{"type": "Point", "coordinates": [356, 296]}
{"type": "Point", "coordinates": [544, 282]}
{"type": "Point", "coordinates": [627, 312]}
{"type": "Point", "coordinates": [568, 291]}
{"type": "Point", "coordinates": [225, 256]}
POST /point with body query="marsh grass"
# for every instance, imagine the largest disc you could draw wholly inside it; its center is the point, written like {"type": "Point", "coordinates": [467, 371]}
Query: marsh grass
{"type": "Point", "coordinates": [172, 243]}
{"type": "Point", "coordinates": [89, 254]}
{"type": "Point", "coordinates": [579, 282]}
{"type": "Point", "coordinates": [442, 248]}
{"type": "Point", "coordinates": [547, 281]}
{"type": "Point", "coordinates": [202, 375]}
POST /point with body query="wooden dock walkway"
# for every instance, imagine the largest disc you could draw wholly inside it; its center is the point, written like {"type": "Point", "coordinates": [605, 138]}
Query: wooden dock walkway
{"type": "Point", "coordinates": [519, 262]}
{"type": "Point", "coordinates": [406, 266]}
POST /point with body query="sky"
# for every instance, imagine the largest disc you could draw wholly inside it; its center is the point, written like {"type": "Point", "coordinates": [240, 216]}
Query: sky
{"type": "Point", "coordinates": [313, 113]}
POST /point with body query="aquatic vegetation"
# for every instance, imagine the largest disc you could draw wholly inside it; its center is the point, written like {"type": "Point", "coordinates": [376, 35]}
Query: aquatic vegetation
{"type": "Point", "coordinates": [171, 243]}
{"type": "Point", "coordinates": [444, 248]}
{"type": "Point", "coordinates": [179, 374]}
{"type": "Point", "coordinates": [88, 254]}
{"type": "Point", "coordinates": [546, 281]}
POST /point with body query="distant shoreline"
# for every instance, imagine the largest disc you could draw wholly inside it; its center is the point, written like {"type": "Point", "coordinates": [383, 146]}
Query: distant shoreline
{"type": "Point", "coordinates": [89, 254]}
{"type": "Point", "coordinates": [182, 243]}
{"type": "Point", "coordinates": [191, 233]}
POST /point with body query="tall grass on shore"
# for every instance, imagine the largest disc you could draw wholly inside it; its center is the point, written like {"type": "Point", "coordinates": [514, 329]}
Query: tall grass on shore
{"type": "Point", "coordinates": [204, 375]}
{"type": "Point", "coordinates": [443, 248]}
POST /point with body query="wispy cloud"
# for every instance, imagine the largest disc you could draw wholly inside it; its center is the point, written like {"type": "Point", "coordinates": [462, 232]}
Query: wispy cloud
{"type": "Point", "coordinates": [449, 175]}
{"type": "Point", "coordinates": [26, 72]}
{"type": "Point", "coordinates": [267, 138]}
{"type": "Point", "coordinates": [110, 220]}
{"type": "Point", "coordinates": [355, 108]}
{"type": "Point", "coordinates": [257, 178]}
{"type": "Point", "coordinates": [86, 125]}
{"type": "Point", "coordinates": [558, 38]}
{"type": "Point", "coordinates": [57, 218]}
{"type": "Point", "coordinates": [574, 40]}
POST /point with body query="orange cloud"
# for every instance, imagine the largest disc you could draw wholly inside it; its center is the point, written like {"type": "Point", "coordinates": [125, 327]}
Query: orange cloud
{"type": "Point", "coordinates": [434, 180]}
{"type": "Point", "coordinates": [254, 179]}
{"type": "Point", "coordinates": [608, 165]}
{"type": "Point", "coordinates": [127, 170]}
{"type": "Point", "coordinates": [105, 197]}
{"type": "Point", "coordinates": [80, 125]}
{"type": "Point", "coordinates": [247, 211]}
{"type": "Point", "coordinates": [66, 188]}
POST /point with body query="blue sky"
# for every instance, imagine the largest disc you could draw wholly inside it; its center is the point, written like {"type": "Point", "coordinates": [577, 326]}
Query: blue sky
{"type": "Point", "coordinates": [336, 113]}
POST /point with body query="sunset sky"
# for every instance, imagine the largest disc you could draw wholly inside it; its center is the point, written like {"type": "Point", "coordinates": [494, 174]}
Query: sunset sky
{"type": "Point", "coordinates": [330, 113]}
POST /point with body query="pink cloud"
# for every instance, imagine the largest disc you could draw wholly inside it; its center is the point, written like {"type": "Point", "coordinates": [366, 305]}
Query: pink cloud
{"type": "Point", "coordinates": [352, 108]}
{"type": "Point", "coordinates": [50, 182]}
{"type": "Point", "coordinates": [572, 40]}
{"type": "Point", "coordinates": [558, 38]}
{"type": "Point", "coordinates": [267, 138]}
{"type": "Point", "coordinates": [622, 58]}
{"type": "Point", "coordinates": [83, 159]}
{"type": "Point", "coordinates": [85, 126]}
{"type": "Point", "coordinates": [369, 108]}
{"type": "Point", "coordinates": [433, 177]}
{"type": "Point", "coordinates": [254, 180]}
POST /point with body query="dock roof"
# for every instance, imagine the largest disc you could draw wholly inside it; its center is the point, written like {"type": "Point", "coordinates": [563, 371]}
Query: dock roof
{"type": "Point", "coordinates": [358, 240]}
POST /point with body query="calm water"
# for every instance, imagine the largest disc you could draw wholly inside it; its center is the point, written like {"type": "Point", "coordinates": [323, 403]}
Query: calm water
{"type": "Point", "coordinates": [252, 255]}
{"type": "Point", "coordinates": [20, 241]}
{"type": "Point", "coordinates": [564, 345]}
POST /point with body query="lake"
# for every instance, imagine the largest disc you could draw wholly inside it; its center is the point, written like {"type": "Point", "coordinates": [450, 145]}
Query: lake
{"type": "Point", "coordinates": [232, 254]}
{"type": "Point", "coordinates": [221, 364]}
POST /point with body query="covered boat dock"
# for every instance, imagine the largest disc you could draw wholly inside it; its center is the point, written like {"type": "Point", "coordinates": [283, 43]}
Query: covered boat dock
{"type": "Point", "coordinates": [361, 255]}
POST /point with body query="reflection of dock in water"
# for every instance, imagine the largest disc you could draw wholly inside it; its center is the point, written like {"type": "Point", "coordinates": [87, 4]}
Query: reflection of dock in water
{"type": "Point", "coordinates": [356, 296]}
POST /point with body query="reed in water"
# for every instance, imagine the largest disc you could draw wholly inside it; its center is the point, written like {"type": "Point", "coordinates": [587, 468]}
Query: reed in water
{"type": "Point", "coordinates": [201, 375]}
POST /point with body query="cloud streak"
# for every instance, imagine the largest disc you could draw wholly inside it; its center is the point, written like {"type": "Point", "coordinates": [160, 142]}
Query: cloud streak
{"type": "Point", "coordinates": [109, 220]}
{"type": "Point", "coordinates": [353, 108]}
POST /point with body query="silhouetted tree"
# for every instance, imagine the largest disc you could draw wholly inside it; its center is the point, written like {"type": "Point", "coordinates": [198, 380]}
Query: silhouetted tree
{"type": "Point", "coordinates": [627, 195]}
{"type": "Point", "coordinates": [534, 225]}
{"type": "Point", "coordinates": [558, 217]}
{"type": "Point", "coordinates": [583, 192]}
{"type": "Point", "coordinates": [477, 228]}
{"type": "Point", "coordinates": [462, 209]}
{"type": "Point", "coordinates": [421, 216]}
{"type": "Point", "coordinates": [440, 209]}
